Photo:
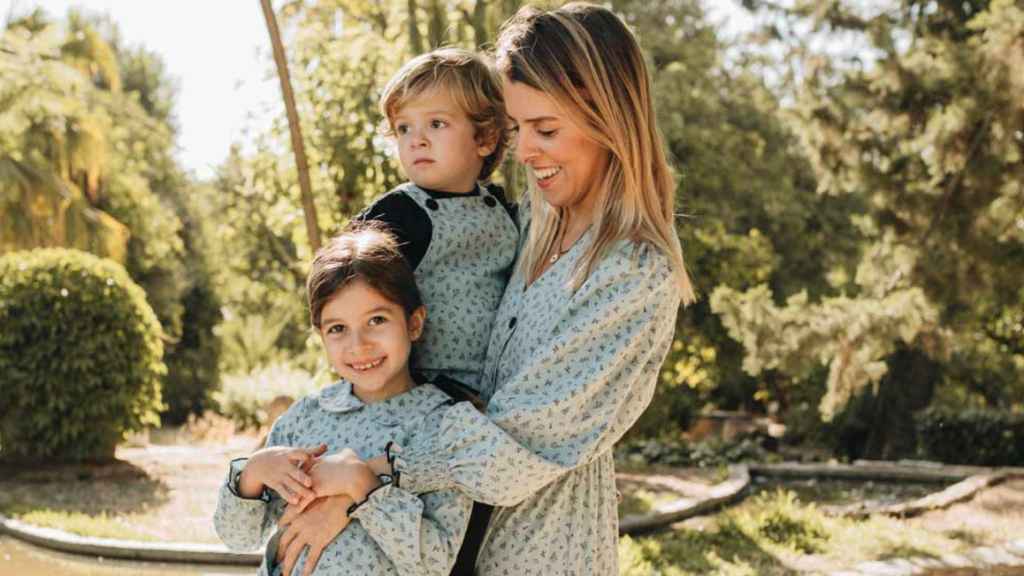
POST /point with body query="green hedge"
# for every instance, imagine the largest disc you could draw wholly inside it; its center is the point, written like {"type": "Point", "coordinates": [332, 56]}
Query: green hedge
{"type": "Point", "coordinates": [979, 437]}
{"type": "Point", "coordinates": [80, 355]}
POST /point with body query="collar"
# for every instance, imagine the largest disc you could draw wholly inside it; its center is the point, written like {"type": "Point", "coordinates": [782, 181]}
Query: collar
{"type": "Point", "coordinates": [339, 398]}
{"type": "Point", "coordinates": [439, 195]}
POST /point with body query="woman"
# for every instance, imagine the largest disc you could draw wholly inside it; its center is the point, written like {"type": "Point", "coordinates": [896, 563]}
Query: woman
{"type": "Point", "coordinates": [587, 318]}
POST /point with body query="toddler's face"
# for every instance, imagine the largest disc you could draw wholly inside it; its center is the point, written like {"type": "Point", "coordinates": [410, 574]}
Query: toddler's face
{"type": "Point", "coordinates": [436, 142]}
{"type": "Point", "coordinates": [368, 338]}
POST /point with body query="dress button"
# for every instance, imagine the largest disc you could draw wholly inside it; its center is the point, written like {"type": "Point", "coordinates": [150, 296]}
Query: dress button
{"type": "Point", "coordinates": [432, 204]}
{"type": "Point", "coordinates": [490, 201]}
{"type": "Point", "coordinates": [512, 323]}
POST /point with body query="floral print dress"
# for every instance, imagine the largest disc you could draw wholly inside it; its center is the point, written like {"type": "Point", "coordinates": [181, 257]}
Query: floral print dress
{"type": "Point", "coordinates": [567, 373]}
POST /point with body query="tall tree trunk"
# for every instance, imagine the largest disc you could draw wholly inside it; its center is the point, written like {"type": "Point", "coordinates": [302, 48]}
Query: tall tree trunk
{"type": "Point", "coordinates": [437, 25]}
{"type": "Point", "coordinates": [478, 21]}
{"type": "Point", "coordinates": [415, 38]}
{"type": "Point", "coordinates": [301, 165]}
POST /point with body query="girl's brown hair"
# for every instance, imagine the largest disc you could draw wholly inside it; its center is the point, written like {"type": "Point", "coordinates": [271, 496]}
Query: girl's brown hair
{"type": "Point", "coordinates": [367, 253]}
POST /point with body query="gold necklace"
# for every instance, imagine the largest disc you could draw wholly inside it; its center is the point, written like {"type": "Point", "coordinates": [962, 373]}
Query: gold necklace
{"type": "Point", "coordinates": [554, 257]}
{"type": "Point", "coordinates": [559, 252]}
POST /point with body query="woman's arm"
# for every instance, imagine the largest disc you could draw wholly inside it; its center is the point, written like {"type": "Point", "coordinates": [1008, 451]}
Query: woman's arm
{"type": "Point", "coordinates": [570, 402]}
{"type": "Point", "coordinates": [421, 535]}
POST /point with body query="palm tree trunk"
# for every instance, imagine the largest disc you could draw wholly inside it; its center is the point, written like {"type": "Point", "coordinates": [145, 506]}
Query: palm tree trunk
{"type": "Point", "coordinates": [301, 165]}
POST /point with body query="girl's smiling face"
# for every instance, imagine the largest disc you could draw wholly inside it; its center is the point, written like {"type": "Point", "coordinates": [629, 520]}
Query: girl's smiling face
{"type": "Point", "coordinates": [566, 164]}
{"type": "Point", "coordinates": [368, 338]}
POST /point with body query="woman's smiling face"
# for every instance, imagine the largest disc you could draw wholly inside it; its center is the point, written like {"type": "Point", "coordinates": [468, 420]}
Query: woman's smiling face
{"type": "Point", "coordinates": [566, 164]}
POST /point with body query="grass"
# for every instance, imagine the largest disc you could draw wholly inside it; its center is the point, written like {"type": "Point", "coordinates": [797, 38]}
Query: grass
{"type": "Point", "coordinates": [97, 526]}
{"type": "Point", "coordinates": [642, 501]}
{"type": "Point", "coordinates": [774, 533]}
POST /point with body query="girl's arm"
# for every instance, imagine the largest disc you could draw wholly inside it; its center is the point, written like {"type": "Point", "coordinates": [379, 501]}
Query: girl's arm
{"type": "Point", "coordinates": [245, 523]}
{"type": "Point", "coordinates": [570, 401]}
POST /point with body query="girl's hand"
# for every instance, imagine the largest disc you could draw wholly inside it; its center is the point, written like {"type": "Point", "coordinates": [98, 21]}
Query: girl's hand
{"type": "Point", "coordinates": [283, 469]}
{"type": "Point", "coordinates": [343, 473]}
{"type": "Point", "coordinates": [314, 527]}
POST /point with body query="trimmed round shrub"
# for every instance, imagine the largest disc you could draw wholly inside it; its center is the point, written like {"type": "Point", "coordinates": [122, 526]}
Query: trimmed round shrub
{"type": "Point", "coordinates": [80, 356]}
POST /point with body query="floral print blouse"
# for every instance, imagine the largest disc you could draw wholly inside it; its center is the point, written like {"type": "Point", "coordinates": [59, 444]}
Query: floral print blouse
{"type": "Point", "coordinates": [395, 531]}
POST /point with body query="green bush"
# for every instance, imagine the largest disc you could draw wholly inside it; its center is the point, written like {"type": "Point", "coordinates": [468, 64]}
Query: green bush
{"type": "Point", "coordinates": [681, 453]}
{"type": "Point", "coordinates": [80, 354]}
{"type": "Point", "coordinates": [245, 398]}
{"type": "Point", "coordinates": [980, 437]}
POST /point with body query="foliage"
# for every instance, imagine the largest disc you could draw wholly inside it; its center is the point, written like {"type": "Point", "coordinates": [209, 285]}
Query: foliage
{"type": "Point", "coordinates": [750, 214]}
{"type": "Point", "coordinates": [92, 149]}
{"type": "Point", "coordinates": [53, 151]}
{"type": "Point", "coordinates": [979, 437]}
{"type": "Point", "coordinates": [193, 363]}
{"type": "Point", "coordinates": [80, 353]}
{"type": "Point", "coordinates": [923, 124]}
{"type": "Point", "coordinates": [704, 454]}
{"type": "Point", "coordinates": [773, 531]}
{"type": "Point", "coordinates": [786, 523]}
{"type": "Point", "coordinates": [245, 398]}
{"type": "Point", "coordinates": [852, 335]}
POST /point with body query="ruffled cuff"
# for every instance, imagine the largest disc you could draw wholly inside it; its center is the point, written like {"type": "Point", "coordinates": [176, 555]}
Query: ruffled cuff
{"type": "Point", "coordinates": [377, 500]}
{"type": "Point", "coordinates": [235, 474]}
{"type": "Point", "coordinates": [422, 466]}
{"type": "Point", "coordinates": [238, 520]}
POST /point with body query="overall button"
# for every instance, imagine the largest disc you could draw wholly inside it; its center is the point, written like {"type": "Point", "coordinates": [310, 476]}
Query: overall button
{"type": "Point", "coordinates": [512, 323]}
{"type": "Point", "coordinates": [490, 201]}
{"type": "Point", "coordinates": [432, 204]}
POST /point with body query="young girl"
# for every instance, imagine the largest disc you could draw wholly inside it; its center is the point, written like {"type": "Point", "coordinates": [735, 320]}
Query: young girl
{"type": "Point", "coordinates": [367, 309]}
{"type": "Point", "coordinates": [445, 111]}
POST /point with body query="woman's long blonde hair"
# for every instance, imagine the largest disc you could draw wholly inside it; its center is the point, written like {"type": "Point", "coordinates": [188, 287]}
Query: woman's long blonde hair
{"type": "Point", "coordinates": [589, 63]}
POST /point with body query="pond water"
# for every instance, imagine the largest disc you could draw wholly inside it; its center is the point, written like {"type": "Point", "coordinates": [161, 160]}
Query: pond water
{"type": "Point", "coordinates": [17, 557]}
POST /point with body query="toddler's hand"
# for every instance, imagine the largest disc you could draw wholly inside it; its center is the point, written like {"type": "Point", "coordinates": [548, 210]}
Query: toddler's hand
{"type": "Point", "coordinates": [283, 469]}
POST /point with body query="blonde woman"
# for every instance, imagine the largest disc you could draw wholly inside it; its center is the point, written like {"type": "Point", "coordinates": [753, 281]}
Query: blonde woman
{"type": "Point", "coordinates": [587, 318]}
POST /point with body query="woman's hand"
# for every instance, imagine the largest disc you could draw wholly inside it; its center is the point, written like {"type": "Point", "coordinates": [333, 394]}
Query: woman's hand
{"type": "Point", "coordinates": [315, 527]}
{"type": "Point", "coordinates": [283, 469]}
{"type": "Point", "coordinates": [343, 473]}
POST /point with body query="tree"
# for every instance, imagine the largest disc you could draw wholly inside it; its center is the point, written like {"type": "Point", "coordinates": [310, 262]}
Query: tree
{"type": "Point", "coordinates": [115, 168]}
{"type": "Point", "coordinates": [53, 151]}
{"type": "Point", "coordinates": [925, 125]}
{"type": "Point", "coordinates": [295, 130]}
{"type": "Point", "coordinates": [342, 53]}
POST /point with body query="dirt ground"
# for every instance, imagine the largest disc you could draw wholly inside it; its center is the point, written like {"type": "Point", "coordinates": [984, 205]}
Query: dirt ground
{"type": "Point", "coordinates": [168, 492]}
{"type": "Point", "coordinates": [995, 514]}
{"type": "Point", "coordinates": [157, 492]}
